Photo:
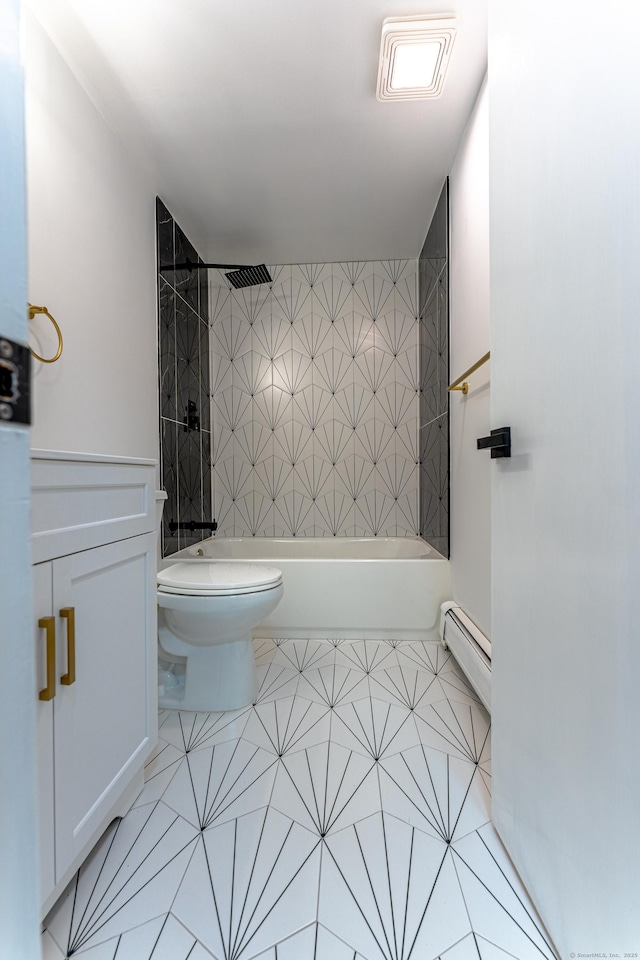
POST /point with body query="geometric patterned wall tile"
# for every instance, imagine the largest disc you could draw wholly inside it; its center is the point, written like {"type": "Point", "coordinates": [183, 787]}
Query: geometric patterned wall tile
{"type": "Point", "coordinates": [433, 380]}
{"type": "Point", "coordinates": [167, 344]}
{"type": "Point", "coordinates": [314, 401]}
{"type": "Point", "coordinates": [184, 372]}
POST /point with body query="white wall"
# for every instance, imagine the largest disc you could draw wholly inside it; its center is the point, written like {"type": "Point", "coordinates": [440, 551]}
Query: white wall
{"type": "Point", "coordinates": [92, 263]}
{"type": "Point", "coordinates": [18, 870]}
{"type": "Point", "coordinates": [565, 300]}
{"type": "Point", "coordinates": [469, 340]}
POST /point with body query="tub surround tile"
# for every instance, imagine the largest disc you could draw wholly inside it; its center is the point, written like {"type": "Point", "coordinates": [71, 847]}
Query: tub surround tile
{"type": "Point", "coordinates": [183, 363]}
{"type": "Point", "coordinates": [330, 367]}
{"type": "Point", "coordinates": [319, 827]}
{"type": "Point", "coordinates": [433, 327]}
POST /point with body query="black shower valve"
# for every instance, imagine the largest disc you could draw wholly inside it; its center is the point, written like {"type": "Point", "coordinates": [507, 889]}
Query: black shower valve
{"type": "Point", "coordinates": [191, 419]}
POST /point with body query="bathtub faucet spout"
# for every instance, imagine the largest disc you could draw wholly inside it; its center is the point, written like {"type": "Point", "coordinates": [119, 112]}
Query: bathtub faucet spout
{"type": "Point", "coordinates": [192, 526]}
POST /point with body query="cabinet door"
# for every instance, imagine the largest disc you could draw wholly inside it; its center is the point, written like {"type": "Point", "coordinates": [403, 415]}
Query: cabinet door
{"type": "Point", "coordinates": [104, 726]}
{"type": "Point", "coordinates": [43, 607]}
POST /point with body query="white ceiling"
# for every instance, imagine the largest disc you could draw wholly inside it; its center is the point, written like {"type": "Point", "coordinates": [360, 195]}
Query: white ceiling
{"type": "Point", "coordinates": [259, 123]}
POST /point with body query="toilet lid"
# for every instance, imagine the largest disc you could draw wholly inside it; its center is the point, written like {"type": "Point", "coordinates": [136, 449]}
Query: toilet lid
{"type": "Point", "coordinates": [216, 577]}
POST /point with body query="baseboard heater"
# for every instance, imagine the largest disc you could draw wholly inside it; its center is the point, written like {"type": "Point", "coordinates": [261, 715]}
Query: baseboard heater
{"type": "Point", "coordinates": [469, 646]}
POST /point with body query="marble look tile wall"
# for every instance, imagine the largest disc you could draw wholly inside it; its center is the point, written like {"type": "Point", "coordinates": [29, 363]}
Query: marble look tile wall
{"type": "Point", "coordinates": [433, 299]}
{"type": "Point", "coordinates": [315, 401]}
{"type": "Point", "coordinates": [183, 337]}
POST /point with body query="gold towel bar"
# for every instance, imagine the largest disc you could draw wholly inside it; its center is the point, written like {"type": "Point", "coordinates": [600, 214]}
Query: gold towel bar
{"type": "Point", "coordinates": [32, 312]}
{"type": "Point", "coordinates": [465, 386]}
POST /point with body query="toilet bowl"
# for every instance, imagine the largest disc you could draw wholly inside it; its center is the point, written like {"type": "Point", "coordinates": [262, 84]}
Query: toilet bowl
{"type": "Point", "coordinates": [207, 609]}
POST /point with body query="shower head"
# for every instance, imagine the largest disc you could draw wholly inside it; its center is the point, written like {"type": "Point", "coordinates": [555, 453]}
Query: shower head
{"type": "Point", "coordinates": [241, 276]}
{"type": "Point", "coordinates": [249, 276]}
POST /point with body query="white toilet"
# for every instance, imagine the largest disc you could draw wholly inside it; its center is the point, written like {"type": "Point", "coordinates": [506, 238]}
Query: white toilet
{"type": "Point", "coordinates": [207, 609]}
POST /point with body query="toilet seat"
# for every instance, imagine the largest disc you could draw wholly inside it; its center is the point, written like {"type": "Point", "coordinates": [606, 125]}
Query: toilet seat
{"type": "Point", "coordinates": [215, 578]}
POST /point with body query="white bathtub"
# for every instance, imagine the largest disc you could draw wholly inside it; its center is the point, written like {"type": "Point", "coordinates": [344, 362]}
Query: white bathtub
{"type": "Point", "coordinates": [368, 588]}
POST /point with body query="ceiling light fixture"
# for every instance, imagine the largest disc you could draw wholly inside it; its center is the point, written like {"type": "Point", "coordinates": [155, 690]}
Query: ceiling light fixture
{"type": "Point", "coordinates": [414, 55]}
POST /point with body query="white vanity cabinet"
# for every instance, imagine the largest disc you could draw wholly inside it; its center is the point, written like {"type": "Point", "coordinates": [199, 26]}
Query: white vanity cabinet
{"type": "Point", "coordinates": [94, 547]}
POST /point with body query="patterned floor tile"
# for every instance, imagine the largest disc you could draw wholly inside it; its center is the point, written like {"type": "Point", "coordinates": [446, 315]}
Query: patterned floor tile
{"type": "Point", "coordinates": [326, 787]}
{"type": "Point", "coordinates": [456, 728]}
{"type": "Point", "coordinates": [343, 816]}
{"type": "Point", "coordinates": [390, 891]}
{"type": "Point", "coordinates": [264, 650]}
{"type": "Point", "coordinates": [407, 687]}
{"type": "Point", "coordinates": [159, 771]}
{"type": "Point", "coordinates": [465, 949]}
{"type": "Point", "coordinates": [221, 783]}
{"type": "Point", "coordinates": [194, 731]}
{"type": "Point", "coordinates": [275, 681]}
{"type": "Point", "coordinates": [455, 687]}
{"type": "Point", "coordinates": [312, 943]}
{"type": "Point", "coordinates": [366, 655]}
{"type": "Point", "coordinates": [301, 655]}
{"type": "Point", "coordinates": [498, 906]}
{"type": "Point", "coordinates": [430, 656]}
{"type": "Point", "coordinates": [489, 951]}
{"type": "Point", "coordinates": [163, 938]}
{"type": "Point", "coordinates": [49, 948]}
{"type": "Point", "coordinates": [131, 876]}
{"type": "Point", "coordinates": [484, 769]}
{"type": "Point", "coordinates": [438, 793]}
{"type": "Point", "coordinates": [301, 945]}
{"type": "Point", "coordinates": [289, 724]}
{"type": "Point", "coordinates": [252, 883]}
{"type": "Point", "coordinates": [373, 728]}
{"type": "Point", "coordinates": [333, 684]}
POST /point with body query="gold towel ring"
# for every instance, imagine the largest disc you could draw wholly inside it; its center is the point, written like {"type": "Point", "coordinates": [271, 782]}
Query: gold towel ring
{"type": "Point", "coordinates": [32, 312]}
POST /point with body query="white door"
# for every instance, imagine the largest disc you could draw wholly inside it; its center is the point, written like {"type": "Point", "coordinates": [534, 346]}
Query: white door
{"type": "Point", "coordinates": [19, 907]}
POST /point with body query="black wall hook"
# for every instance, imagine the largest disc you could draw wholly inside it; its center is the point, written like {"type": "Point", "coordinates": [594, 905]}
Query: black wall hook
{"type": "Point", "coordinates": [499, 442]}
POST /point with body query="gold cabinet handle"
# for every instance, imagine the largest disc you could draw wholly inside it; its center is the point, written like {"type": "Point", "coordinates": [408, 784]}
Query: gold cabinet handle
{"type": "Point", "coordinates": [49, 624]}
{"type": "Point", "coordinates": [69, 614]}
